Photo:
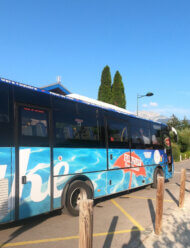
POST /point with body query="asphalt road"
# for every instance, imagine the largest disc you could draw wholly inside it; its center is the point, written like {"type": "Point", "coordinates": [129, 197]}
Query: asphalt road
{"type": "Point", "coordinates": [119, 221]}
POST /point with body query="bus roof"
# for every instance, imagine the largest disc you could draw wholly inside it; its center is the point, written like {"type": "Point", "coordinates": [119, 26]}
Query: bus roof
{"type": "Point", "coordinates": [79, 98]}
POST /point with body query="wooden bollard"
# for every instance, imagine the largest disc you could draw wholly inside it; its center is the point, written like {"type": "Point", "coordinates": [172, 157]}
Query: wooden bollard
{"type": "Point", "coordinates": [159, 204]}
{"type": "Point", "coordinates": [182, 188]}
{"type": "Point", "coordinates": [83, 195]}
{"type": "Point", "coordinates": [85, 223]}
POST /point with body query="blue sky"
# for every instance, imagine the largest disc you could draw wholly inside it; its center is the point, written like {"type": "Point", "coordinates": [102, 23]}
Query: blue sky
{"type": "Point", "coordinates": [148, 41]}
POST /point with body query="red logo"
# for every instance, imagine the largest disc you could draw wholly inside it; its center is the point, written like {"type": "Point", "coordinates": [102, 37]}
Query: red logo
{"type": "Point", "coordinates": [135, 165]}
{"type": "Point", "coordinates": [60, 158]}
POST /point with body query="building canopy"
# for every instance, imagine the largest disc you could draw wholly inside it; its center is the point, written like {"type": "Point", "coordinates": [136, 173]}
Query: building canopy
{"type": "Point", "coordinates": [57, 88]}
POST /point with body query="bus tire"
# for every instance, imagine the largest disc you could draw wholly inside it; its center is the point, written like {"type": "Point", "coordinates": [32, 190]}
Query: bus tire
{"type": "Point", "coordinates": [157, 172]}
{"type": "Point", "coordinates": [73, 196]}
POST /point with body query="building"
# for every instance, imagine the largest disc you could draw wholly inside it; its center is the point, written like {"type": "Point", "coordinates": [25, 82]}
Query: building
{"type": "Point", "coordinates": [57, 88]}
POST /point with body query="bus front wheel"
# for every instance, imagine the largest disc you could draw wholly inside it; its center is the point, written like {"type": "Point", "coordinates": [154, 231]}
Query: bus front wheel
{"type": "Point", "coordinates": [157, 172]}
{"type": "Point", "coordinates": [74, 195]}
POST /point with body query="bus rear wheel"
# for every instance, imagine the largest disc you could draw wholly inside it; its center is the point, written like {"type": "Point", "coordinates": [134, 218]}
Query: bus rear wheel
{"type": "Point", "coordinates": [74, 195]}
{"type": "Point", "coordinates": [157, 172]}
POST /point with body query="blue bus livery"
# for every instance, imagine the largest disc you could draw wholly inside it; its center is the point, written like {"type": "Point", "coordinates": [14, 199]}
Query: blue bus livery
{"type": "Point", "coordinates": [52, 146]}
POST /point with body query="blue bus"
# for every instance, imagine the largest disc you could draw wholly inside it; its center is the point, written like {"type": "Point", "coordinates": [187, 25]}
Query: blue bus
{"type": "Point", "coordinates": [54, 146]}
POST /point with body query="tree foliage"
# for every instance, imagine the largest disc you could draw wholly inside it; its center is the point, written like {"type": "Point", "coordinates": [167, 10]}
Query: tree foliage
{"type": "Point", "coordinates": [177, 124]}
{"type": "Point", "coordinates": [118, 94]}
{"type": "Point", "coordinates": [183, 129]}
{"type": "Point", "coordinates": [104, 93]}
{"type": "Point", "coordinates": [184, 139]}
{"type": "Point", "coordinates": [115, 93]}
{"type": "Point", "coordinates": [185, 123]}
{"type": "Point", "coordinates": [174, 122]}
{"type": "Point", "coordinates": [175, 152]}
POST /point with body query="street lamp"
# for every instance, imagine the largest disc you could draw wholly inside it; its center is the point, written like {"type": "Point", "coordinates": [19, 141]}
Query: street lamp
{"type": "Point", "coordinates": [140, 96]}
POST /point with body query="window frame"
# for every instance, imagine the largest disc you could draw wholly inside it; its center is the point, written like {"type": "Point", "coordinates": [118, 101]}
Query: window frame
{"type": "Point", "coordinates": [146, 124]}
{"type": "Point", "coordinates": [157, 146]}
{"type": "Point", "coordinates": [118, 145]}
{"type": "Point", "coordinates": [7, 127]}
{"type": "Point", "coordinates": [32, 141]}
{"type": "Point", "coordinates": [78, 114]}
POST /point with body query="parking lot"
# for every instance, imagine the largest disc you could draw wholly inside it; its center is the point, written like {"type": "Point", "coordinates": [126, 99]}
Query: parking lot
{"type": "Point", "coordinates": [122, 220]}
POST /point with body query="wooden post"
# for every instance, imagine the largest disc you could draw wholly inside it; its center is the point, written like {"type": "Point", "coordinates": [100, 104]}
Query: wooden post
{"type": "Point", "coordinates": [83, 195]}
{"type": "Point", "coordinates": [159, 204]}
{"type": "Point", "coordinates": [182, 188]}
{"type": "Point", "coordinates": [85, 223]}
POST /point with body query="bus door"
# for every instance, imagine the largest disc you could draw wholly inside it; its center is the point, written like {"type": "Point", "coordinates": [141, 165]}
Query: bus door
{"type": "Point", "coordinates": [7, 168]}
{"type": "Point", "coordinates": [168, 152]}
{"type": "Point", "coordinates": [142, 153]}
{"type": "Point", "coordinates": [33, 160]}
{"type": "Point", "coordinates": [118, 154]}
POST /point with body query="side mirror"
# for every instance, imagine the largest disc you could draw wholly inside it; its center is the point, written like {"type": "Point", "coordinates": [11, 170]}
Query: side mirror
{"type": "Point", "coordinates": [175, 134]}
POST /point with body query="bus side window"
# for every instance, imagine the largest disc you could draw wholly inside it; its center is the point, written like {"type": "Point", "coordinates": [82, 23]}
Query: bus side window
{"type": "Point", "coordinates": [76, 126]}
{"type": "Point", "coordinates": [118, 135]}
{"type": "Point", "coordinates": [33, 122]}
{"type": "Point", "coordinates": [33, 127]}
{"type": "Point", "coordinates": [140, 134]}
{"type": "Point", "coordinates": [156, 136]}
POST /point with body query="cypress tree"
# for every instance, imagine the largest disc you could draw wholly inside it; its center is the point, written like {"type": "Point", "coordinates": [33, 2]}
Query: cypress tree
{"type": "Point", "coordinates": [104, 93]}
{"type": "Point", "coordinates": [118, 94]}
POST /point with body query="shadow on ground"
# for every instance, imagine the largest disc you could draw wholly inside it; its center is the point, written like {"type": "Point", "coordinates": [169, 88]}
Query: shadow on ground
{"type": "Point", "coordinates": [120, 194]}
{"type": "Point", "coordinates": [172, 196]}
{"type": "Point", "coordinates": [25, 225]}
{"type": "Point", "coordinates": [135, 239]}
{"type": "Point", "coordinates": [175, 233]}
{"type": "Point", "coordinates": [185, 189]}
{"type": "Point", "coordinates": [152, 212]}
{"type": "Point", "coordinates": [109, 237]}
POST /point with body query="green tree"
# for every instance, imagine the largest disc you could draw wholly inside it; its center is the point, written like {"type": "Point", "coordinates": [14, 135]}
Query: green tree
{"type": "Point", "coordinates": [185, 123]}
{"type": "Point", "coordinates": [104, 93]}
{"type": "Point", "coordinates": [174, 122]}
{"type": "Point", "coordinates": [118, 94]}
{"type": "Point", "coordinates": [175, 152]}
{"type": "Point", "coordinates": [184, 139]}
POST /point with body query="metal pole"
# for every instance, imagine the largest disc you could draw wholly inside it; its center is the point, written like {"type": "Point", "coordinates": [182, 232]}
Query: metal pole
{"type": "Point", "coordinates": [140, 96]}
